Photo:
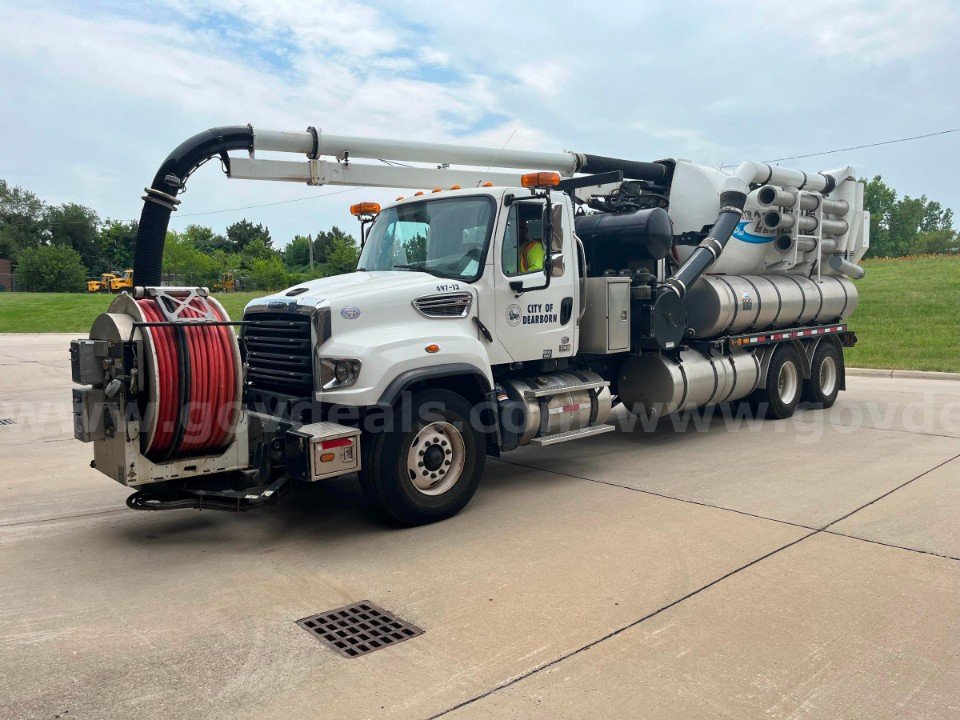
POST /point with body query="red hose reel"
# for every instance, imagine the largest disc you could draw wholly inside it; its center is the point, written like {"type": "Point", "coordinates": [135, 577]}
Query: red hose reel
{"type": "Point", "coordinates": [193, 372]}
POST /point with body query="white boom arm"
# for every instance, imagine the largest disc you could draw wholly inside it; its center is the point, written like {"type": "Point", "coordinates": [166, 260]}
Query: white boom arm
{"type": "Point", "coordinates": [324, 172]}
{"type": "Point", "coordinates": [342, 146]}
{"type": "Point", "coordinates": [345, 148]}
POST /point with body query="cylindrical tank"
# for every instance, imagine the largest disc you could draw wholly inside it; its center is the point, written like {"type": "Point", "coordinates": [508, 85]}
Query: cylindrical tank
{"type": "Point", "coordinates": [561, 410]}
{"type": "Point", "coordinates": [727, 304]}
{"type": "Point", "coordinates": [613, 240]}
{"type": "Point", "coordinates": [655, 385]}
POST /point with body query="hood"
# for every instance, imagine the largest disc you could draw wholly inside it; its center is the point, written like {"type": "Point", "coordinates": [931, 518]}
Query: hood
{"type": "Point", "coordinates": [371, 288]}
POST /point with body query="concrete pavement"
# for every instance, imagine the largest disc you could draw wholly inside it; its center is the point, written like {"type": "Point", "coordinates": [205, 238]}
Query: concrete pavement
{"type": "Point", "coordinates": [718, 567]}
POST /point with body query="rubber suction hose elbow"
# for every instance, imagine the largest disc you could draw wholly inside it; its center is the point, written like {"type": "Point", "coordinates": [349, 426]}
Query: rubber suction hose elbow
{"type": "Point", "coordinates": [160, 199]}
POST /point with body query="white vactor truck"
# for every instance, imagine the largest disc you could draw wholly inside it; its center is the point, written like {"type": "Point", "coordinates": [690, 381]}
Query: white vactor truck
{"type": "Point", "coordinates": [491, 309]}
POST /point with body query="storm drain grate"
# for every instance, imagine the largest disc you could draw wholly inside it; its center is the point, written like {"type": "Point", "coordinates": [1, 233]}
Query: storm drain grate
{"type": "Point", "coordinates": [7, 421]}
{"type": "Point", "coordinates": [358, 629]}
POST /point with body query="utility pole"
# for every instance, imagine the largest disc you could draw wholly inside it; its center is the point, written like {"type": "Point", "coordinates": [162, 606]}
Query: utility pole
{"type": "Point", "coordinates": [310, 238]}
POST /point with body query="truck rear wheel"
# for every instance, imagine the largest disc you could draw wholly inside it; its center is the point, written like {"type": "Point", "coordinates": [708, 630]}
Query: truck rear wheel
{"type": "Point", "coordinates": [825, 373]}
{"type": "Point", "coordinates": [430, 471]}
{"type": "Point", "coordinates": [781, 395]}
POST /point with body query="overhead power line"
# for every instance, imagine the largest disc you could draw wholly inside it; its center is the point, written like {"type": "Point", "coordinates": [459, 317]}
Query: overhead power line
{"type": "Point", "coordinates": [868, 145]}
{"type": "Point", "coordinates": [269, 204]}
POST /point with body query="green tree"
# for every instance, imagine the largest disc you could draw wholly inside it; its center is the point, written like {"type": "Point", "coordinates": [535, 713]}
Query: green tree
{"type": "Point", "coordinates": [296, 255]}
{"type": "Point", "coordinates": [50, 268]}
{"type": "Point", "coordinates": [936, 242]}
{"type": "Point", "coordinates": [76, 226]}
{"type": "Point", "coordinates": [116, 242]}
{"type": "Point", "coordinates": [325, 242]}
{"type": "Point", "coordinates": [268, 273]}
{"type": "Point", "coordinates": [206, 240]}
{"type": "Point", "coordinates": [906, 225]}
{"type": "Point", "coordinates": [257, 249]}
{"type": "Point", "coordinates": [181, 258]}
{"type": "Point", "coordinates": [342, 256]}
{"type": "Point", "coordinates": [21, 220]}
{"type": "Point", "coordinates": [241, 233]}
{"type": "Point", "coordinates": [881, 200]}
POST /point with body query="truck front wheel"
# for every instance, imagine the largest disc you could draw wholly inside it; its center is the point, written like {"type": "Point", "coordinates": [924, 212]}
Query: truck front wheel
{"type": "Point", "coordinates": [429, 471]}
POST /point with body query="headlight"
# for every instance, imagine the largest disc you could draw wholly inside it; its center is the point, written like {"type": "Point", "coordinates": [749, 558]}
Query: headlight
{"type": "Point", "coordinates": [338, 372]}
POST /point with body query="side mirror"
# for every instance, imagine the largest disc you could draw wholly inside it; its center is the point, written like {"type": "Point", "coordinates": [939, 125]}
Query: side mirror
{"type": "Point", "coordinates": [556, 237]}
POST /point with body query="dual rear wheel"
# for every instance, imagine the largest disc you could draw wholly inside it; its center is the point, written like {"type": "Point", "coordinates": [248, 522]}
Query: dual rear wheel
{"type": "Point", "coordinates": [784, 388]}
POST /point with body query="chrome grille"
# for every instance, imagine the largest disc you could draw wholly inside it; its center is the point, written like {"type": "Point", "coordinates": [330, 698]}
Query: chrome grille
{"type": "Point", "coordinates": [445, 305]}
{"type": "Point", "coordinates": [279, 352]}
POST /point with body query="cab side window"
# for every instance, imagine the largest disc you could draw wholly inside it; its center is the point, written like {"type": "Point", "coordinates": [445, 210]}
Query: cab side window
{"type": "Point", "coordinates": [523, 249]}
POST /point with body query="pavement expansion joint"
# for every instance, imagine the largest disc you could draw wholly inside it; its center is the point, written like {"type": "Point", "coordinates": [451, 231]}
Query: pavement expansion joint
{"type": "Point", "coordinates": [620, 630]}
{"type": "Point", "coordinates": [624, 628]}
{"type": "Point", "coordinates": [890, 492]}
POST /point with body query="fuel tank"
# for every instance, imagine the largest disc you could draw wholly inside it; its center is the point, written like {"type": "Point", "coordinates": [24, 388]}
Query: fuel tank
{"type": "Point", "coordinates": [725, 304]}
{"type": "Point", "coordinates": [655, 385]}
{"type": "Point", "coordinates": [566, 407]}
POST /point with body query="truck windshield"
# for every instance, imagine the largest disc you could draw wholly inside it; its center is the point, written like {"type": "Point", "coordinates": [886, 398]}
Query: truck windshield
{"type": "Point", "coordinates": [444, 237]}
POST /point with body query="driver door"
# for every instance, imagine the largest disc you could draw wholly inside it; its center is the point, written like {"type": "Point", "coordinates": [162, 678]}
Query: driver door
{"type": "Point", "coordinates": [535, 324]}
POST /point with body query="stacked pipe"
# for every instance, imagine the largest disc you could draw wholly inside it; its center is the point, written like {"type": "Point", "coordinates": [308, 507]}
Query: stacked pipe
{"type": "Point", "coordinates": [829, 228]}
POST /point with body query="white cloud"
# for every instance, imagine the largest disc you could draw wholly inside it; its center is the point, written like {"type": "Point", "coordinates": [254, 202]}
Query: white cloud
{"type": "Point", "coordinates": [867, 31]}
{"type": "Point", "coordinates": [96, 96]}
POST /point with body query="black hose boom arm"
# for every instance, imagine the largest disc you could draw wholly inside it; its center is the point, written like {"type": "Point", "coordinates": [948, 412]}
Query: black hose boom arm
{"type": "Point", "coordinates": [161, 197]}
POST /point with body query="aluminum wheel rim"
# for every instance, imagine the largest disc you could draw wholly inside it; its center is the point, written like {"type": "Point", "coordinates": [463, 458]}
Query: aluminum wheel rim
{"type": "Point", "coordinates": [828, 376]}
{"type": "Point", "coordinates": [787, 382]}
{"type": "Point", "coordinates": [435, 458]}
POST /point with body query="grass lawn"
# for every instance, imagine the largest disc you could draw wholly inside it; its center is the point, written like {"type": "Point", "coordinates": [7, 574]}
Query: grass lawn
{"type": "Point", "coordinates": [74, 312]}
{"type": "Point", "coordinates": [908, 317]}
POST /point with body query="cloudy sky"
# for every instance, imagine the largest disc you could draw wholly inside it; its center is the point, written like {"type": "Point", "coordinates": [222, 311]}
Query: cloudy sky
{"type": "Point", "coordinates": [93, 95]}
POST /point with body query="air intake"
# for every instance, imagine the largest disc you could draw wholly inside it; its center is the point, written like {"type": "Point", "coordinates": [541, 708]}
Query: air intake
{"type": "Point", "coordinates": [445, 305]}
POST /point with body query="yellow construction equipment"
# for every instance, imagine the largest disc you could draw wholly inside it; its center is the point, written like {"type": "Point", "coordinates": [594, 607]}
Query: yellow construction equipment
{"type": "Point", "coordinates": [102, 284]}
{"type": "Point", "coordinates": [111, 282]}
{"type": "Point", "coordinates": [124, 282]}
{"type": "Point", "coordinates": [226, 283]}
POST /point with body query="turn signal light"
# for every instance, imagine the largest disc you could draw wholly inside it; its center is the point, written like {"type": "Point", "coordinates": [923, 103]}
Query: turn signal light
{"type": "Point", "coordinates": [432, 348]}
{"type": "Point", "coordinates": [540, 179]}
{"type": "Point", "coordinates": [327, 457]}
{"type": "Point", "coordinates": [365, 208]}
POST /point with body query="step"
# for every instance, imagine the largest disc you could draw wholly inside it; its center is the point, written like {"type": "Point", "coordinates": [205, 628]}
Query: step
{"type": "Point", "coordinates": [545, 392]}
{"type": "Point", "coordinates": [572, 435]}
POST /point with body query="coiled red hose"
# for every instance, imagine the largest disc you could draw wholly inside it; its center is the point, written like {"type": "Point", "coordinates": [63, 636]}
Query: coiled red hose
{"type": "Point", "coordinates": [197, 382]}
